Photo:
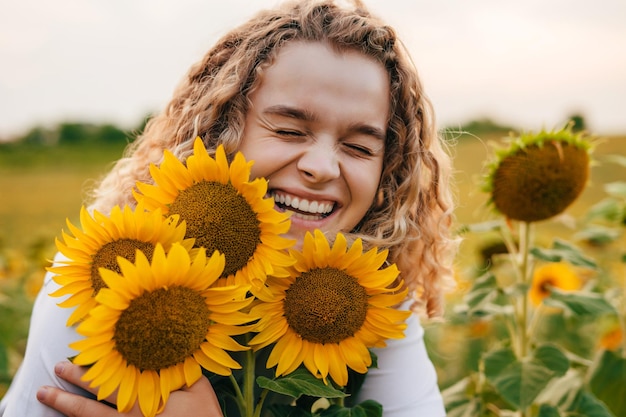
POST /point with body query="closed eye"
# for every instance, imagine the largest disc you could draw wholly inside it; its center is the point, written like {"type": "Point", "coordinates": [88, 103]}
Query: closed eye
{"type": "Point", "coordinates": [359, 149]}
{"type": "Point", "coordinates": [289, 133]}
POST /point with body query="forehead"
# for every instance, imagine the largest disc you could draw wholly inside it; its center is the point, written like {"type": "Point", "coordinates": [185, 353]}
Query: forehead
{"type": "Point", "coordinates": [305, 69]}
{"type": "Point", "coordinates": [295, 55]}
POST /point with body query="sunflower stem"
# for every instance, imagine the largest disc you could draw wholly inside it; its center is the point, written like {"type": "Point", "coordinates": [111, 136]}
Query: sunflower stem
{"type": "Point", "coordinates": [248, 383]}
{"type": "Point", "coordinates": [525, 238]}
{"type": "Point", "coordinates": [239, 395]}
{"type": "Point", "coordinates": [259, 406]}
{"type": "Point", "coordinates": [621, 311]}
{"type": "Point", "coordinates": [525, 268]}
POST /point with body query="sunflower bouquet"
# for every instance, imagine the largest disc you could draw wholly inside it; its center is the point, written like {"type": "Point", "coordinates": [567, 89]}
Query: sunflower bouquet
{"type": "Point", "coordinates": [197, 279]}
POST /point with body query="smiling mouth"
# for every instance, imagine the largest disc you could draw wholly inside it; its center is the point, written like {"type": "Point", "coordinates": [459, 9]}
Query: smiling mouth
{"type": "Point", "coordinates": [302, 208]}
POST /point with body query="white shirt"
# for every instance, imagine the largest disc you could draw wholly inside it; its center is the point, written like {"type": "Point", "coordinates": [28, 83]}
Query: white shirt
{"type": "Point", "coordinates": [405, 382]}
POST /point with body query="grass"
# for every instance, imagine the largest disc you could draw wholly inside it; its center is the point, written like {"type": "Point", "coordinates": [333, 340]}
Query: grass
{"type": "Point", "coordinates": [41, 187]}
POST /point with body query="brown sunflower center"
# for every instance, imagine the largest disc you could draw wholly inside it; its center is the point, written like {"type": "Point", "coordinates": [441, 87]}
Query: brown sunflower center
{"type": "Point", "coordinates": [546, 285]}
{"type": "Point", "coordinates": [219, 218]}
{"type": "Point", "coordinates": [325, 305]}
{"type": "Point", "coordinates": [161, 328]}
{"type": "Point", "coordinates": [539, 182]}
{"type": "Point", "coordinates": [106, 257]}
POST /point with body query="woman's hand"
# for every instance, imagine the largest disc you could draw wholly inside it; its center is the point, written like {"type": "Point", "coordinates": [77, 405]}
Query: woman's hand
{"type": "Point", "coordinates": [198, 400]}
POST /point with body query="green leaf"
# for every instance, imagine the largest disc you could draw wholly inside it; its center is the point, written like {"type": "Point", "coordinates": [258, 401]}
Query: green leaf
{"type": "Point", "coordinates": [471, 407]}
{"type": "Point", "coordinates": [497, 361]}
{"type": "Point", "coordinates": [370, 408]}
{"type": "Point", "coordinates": [459, 399]}
{"type": "Point", "coordinates": [285, 410]}
{"type": "Point", "coordinates": [367, 408]}
{"type": "Point", "coordinates": [609, 209]}
{"type": "Point", "coordinates": [546, 410]}
{"type": "Point", "coordinates": [484, 289]}
{"type": "Point", "coordinates": [588, 405]}
{"type": "Point", "coordinates": [616, 189]}
{"type": "Point", "coordinates": [520, 382]}
{"type": "Point", "coordinates": [553, 358]}
{"type": "Point", "coordinates": [608, 381]}
{"type": "Point", "coordinates": [564, 251]}
{"type": "Point", "coordinates": [598, 235]}
{"type": "Point", "coordinates": [298, 383]}
{"type": "Point", "coordinates": [487, 226]}
{"type": "Point", "coordinates": [580, 304]}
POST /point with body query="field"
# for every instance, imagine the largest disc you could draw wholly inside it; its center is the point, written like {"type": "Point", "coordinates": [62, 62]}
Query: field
{"type": "Point", "coordinates": [42, 187]}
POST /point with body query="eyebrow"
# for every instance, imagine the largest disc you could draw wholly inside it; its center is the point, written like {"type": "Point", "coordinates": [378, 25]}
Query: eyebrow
{"type": "Point", "coordinates": [291, 112]}
{"type": "Point", "coordinates": [307, 116]}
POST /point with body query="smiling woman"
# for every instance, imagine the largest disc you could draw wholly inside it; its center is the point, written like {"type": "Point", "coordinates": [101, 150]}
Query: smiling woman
{"type": "Point", "coordinates": [311, 111]}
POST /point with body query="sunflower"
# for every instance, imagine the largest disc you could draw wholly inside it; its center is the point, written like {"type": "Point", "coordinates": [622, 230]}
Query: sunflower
{"type": "Point", "coordinates": [553, 275]}
{"type": "Point", "coordinates": [335, 304]}
{"type": "Point", "coordinates": [98, 245]}
{"type": "Point", "coordinates": [612, 339]}
{"type": "Point", "coordinates": [157, 324]}
{"type": "Point", "coordinates": [223, 210]}
{"type": "Point", "coordinates": [539, 175]}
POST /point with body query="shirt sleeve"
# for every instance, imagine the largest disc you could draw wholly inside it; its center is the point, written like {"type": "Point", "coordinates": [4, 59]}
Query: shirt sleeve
{"type": "Point", "coordinates": [47, 344]}
{"type": "Point", "coordinates": [405, 381]}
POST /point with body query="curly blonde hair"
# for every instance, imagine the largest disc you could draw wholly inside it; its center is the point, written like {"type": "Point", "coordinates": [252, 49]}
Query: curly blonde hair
{"type": "Point", "coordinates": [412, 215]}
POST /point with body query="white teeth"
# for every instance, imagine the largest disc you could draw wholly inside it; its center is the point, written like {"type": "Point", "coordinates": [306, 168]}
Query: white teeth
{"type": "Point", "coordinates": [314, 207]}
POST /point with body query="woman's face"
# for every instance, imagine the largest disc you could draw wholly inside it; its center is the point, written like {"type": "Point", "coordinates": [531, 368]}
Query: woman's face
{"type": "Point", "coordinates": [316, 131]}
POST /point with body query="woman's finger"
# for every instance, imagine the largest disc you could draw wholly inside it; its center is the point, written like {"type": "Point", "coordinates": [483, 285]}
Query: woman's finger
{"type": "Point", "coordinates": [72, 373]}
{"type": "Point", "coordinates": [73, 405]}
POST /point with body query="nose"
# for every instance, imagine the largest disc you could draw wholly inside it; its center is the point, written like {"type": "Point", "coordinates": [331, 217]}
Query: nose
{"type": "Point", "coordinates": [319, 163]}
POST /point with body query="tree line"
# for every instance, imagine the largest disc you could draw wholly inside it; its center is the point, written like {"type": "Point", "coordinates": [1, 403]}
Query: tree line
{"type": "Point", "coordinates": [79, 133]}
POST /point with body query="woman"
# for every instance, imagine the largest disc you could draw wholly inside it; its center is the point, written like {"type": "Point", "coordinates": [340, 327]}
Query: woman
{"type": "Point", "coordinates": [326, 102]}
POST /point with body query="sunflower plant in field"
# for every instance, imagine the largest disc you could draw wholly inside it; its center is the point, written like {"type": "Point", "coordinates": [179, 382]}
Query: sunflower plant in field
{"type": "Point", "coordinates": [535, 297]}
{"type": "Point", "coordinates": [605, 235]}
{"type": "Point", "coordinates": [198, 279]}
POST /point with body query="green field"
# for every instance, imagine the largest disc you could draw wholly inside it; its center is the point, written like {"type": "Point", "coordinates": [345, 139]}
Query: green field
{"type": "Point", "coordinates": [42, 186]}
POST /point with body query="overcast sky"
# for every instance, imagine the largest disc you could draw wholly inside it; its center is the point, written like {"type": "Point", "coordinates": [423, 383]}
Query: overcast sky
{"type": "Point", "coordinates": [528, 63]}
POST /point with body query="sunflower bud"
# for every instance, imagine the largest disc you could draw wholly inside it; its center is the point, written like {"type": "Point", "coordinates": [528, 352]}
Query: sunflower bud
{"type": "Point", "coordinates": [539, 175]}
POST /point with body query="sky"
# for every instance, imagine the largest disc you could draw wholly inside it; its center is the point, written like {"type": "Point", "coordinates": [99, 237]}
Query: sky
{"type": "Point", "coordinates": [530, 64]}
